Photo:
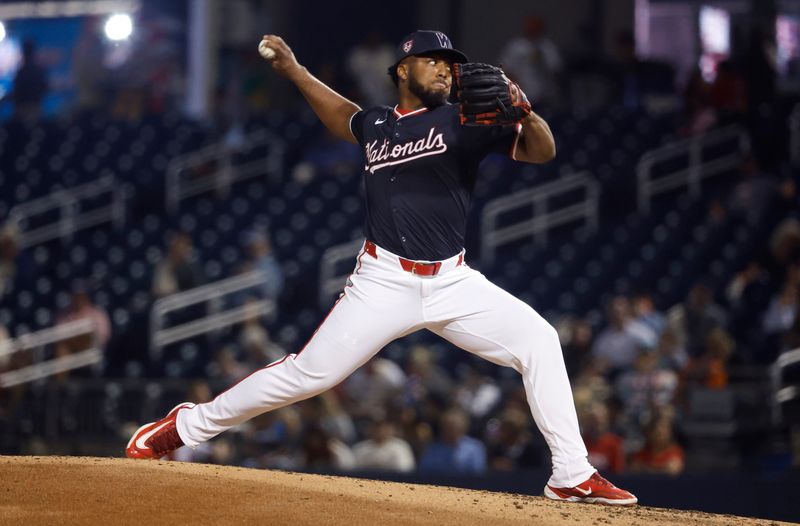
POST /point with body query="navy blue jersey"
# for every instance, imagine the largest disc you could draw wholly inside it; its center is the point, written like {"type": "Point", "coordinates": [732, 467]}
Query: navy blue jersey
{"type": "Point", "coordinates": [419, 174]}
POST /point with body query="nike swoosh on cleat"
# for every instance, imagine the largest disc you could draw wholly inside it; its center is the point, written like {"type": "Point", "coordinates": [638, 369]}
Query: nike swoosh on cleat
{"type": "Point", "coordinates": [584, 492]}
{"type": "Point", "coordinates": [140, 441]}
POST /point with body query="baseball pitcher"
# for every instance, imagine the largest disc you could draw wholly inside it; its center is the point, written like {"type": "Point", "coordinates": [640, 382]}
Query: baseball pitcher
{"type": "Point", "coordinates": [420, 164]}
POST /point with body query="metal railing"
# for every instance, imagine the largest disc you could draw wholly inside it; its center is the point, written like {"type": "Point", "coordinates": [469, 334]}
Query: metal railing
{"type": "Point", "coordinates": [217, 319]}
{"type": "Point", "coordinates": [73, 214]}
{"type": "Point", "coordinates": [544, 216]}
{"type": "Point", "coordinates": [331, 277]}
{"type": "Point", "coordinates": [698, 167]}
{"type": "Point", "coordinates": [227, 170]}
{"type": "Point", "coordinates": [41, 367]}
{"type": "Point", "coordinates": [781, 393]}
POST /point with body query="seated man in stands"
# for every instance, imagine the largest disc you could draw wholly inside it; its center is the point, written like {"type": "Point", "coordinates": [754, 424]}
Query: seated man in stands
{"type": "Point", "coordinates": [661, 453]}
{"type": "Point", "coordinates": [82, 308]}
{"type": "Point", "coordinates": [261, 257]}
{"type": "Point", "coordinates": [454, 451]}
{"type": "Point", "coordinates": [619, 343]}
{"type": "Point", "coordinates": [606, 449]}
{"type": "Point", "coordinates": [177, 272]}
{"type": "Point", "coordinates": [384, 450]}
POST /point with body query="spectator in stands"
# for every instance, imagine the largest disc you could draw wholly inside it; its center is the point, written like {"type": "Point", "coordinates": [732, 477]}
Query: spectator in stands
{"type": "Point", "coordinates": [424, 376]}
{"type": "Point", "coordinates": [328, 156]}
{"type": "Point", "coordinates": [588, 69]}
{"type": "Point", "coordinates": [661, 453]}
{"type": "Point", "coordinates": [12, 399]}
{"type": "Point", "coordinates": [748, 295]}
{"type": "Point", "coordinates": [177, 272]}
{"type": "Point", "coordinates": [619, 343]}
{"type": "Point", "coordinates": [645, 387]}
{"type": "Point", "coordinates": [30, 85]}
{"type": "Point", "coordinates": [326, 410]}
{"type": "Point", "coordinates": [261, 257]}
{"type": "Point", "coordinates": [791, 339]}
{"type": "Point", "coordinates": [453, 451]}
{"type": "Point", "coordinates": [591, 382]}
{"type": "Point", "coordinates": [5, 347]}
{"type": "Point", "coordinates": [671, 355]}
{"type": "Point", "coordinates": [198, 392]}
{"type": "Point", "coordinates": [415, 423]}
{"type": "Point", "coordinates": [727, 94]}
{"type": "Point", "coordinates": [219, 451]}
{"type": "Point", "coordinates": [254, 340]}
{"type": "Point", "coordinates": [226, 367]}
{"type": "Point", "coordinates": [646, 314]}
{"type": "Point", "coordinates": [88, 68]}
{"type": "Point", "coordinates": [515, 397]}
{"type": "Point", "coordinates": [784, 246]}
{"type": "Point", "coordinates": [760, 69]}
{"type": "Point", "coordinates": [577, 345]}
{"type": "Point", "coordinates": [510, 445]}
{"type": "Point", "coordinates": [148, 75]}
{"type": "Point", "coordinates": [629, 71]}
{"type": "Point", "coordinates": [783, 308]}
{"type": "Point", "coordinates": [367, 64]}
{"type": "Point", "coordinates": [747, 283]}
{"type": "Point", "coordinates": [755, 192]}
{"type": "Point", "coordinates": [371, 387]}
{"type": "Point", "coordinates": [534, 62]}
{"type": "Point", "coordinates": [717, 214]}
{"type": "Point", "coordinates": [698, 115]}
{"type": "Point", "coordinates": [5, 361]}
{"type": "Point", "coordinates": [272, 440]}
{"type": "Point", "coordinates": [383, 450]}
{"type": "Point", "coordinates": [710, 370]}
{"type": "Point", "coordinates": [322, 452]}
{"type": "Point", "coordinates": [695, 318]}
{"type": "Point", "coordinates": [9, 249]}
{"type": "Point", "coordinates": [82, 308]}
{"type": "Point", "coordinates": [606, 449]}
{"type": "Point", "coordinates": [162, 54]}
{"type": "Point", "coordinates": [476, 393]}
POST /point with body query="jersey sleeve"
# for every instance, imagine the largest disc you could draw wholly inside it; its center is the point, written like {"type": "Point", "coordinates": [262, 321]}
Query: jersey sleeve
{"type": "Point", "coordinates": [492, 139]}
{"type": "Point", "coordinates": [361, 122]}
{"type": "Point", "coordinates": [357, 125]}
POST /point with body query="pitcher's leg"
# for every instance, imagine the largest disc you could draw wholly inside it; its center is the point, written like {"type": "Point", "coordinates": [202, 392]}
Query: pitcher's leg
{"type": "Point", "coordinates": [502, 329]}
{"type": "Point", "coordinates": [350, 335]}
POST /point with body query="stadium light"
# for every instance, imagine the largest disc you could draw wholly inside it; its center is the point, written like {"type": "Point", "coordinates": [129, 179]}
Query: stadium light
{"type": "Point", "coordinates": [2, 32]}
{"type": "Point", "coordinates": [118, 27]}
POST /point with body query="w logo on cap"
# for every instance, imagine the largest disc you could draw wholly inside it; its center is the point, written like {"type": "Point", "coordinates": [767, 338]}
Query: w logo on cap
{"type": "Point", "coordinates": [443, 40]}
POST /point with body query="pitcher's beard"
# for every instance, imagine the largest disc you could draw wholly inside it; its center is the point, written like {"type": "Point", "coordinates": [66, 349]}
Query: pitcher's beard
{"type": "Point", "coordinates": [431, 99]}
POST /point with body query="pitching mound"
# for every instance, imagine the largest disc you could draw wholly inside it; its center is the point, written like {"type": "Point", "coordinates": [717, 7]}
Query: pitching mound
{"type": "Point", "coordinates": [81, 490]}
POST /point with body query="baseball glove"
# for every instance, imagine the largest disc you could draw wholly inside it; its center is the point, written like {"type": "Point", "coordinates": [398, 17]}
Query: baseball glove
{"type": "Point", "coordinates": [487, 97]}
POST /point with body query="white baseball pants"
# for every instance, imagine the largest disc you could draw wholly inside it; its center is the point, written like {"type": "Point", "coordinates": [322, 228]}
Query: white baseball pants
{"type": "Point", "coordinates": [383, 302]}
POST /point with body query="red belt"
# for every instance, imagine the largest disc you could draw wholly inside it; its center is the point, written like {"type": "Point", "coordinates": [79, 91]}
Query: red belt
{"type": "Point", "coordinates": [420, 268]}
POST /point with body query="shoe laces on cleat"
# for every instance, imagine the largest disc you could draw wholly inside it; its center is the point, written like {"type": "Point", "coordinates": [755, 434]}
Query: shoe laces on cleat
{"type": "Point", "coordinates": [165, 441]}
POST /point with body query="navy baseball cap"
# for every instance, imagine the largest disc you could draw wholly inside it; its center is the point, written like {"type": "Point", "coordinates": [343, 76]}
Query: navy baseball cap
{"type": "Point", "coordinates": [424, 41]}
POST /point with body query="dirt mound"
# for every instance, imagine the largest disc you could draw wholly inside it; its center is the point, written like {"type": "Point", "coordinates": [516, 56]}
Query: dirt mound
{"type": "Point", "coordinates": [88, 490]}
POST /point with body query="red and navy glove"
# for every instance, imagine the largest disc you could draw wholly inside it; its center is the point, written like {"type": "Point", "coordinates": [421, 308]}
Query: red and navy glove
{"type": "Point", "coordinates": [487, 97]}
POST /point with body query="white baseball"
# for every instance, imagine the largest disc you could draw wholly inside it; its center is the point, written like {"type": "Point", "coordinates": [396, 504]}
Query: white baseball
{"type": "Point", "coordinates": [266, 52]}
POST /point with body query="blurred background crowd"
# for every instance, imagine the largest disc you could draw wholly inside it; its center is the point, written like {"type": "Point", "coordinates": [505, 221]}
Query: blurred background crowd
{"type": "Point", "coordinates": [673, 316]}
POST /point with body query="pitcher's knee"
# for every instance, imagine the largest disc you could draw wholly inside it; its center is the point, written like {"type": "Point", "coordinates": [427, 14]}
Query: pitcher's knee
{"type": "Point", "coordinates": [311, 384]}
{"type": "Point", "coordinates": [540, 341]}
{"type": "Point", "coordinates": [314, 385]}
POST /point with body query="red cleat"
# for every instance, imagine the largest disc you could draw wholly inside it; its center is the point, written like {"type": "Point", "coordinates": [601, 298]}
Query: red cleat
{"type": "Point", "coordinates": [595, 489]}
{"type": "Point", "coordinates": [156, 439]}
